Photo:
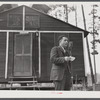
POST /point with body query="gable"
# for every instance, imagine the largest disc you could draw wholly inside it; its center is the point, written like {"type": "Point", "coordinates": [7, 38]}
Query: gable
{"type": "Point", "coordinates": [5, 19]}
{"type": "Point", "coordinates": [34, 20]}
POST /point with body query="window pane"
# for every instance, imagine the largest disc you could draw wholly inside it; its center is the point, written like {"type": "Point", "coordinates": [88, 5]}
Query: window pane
{"type": "Point", "coordinates": [18, 44]}
{"type": "Point", "coordinates": [27, 43]}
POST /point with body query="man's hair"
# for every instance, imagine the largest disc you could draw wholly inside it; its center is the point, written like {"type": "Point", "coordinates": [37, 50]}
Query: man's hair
{"type": "Point", "coordinates": [60, 38]}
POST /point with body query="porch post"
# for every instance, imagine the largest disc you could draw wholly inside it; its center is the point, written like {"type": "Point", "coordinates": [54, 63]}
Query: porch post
{"type": "Point", "coordinates": [7, 48]}
{"type": "Point", "coordinates": [39, 40]}
{"type": "Point", "coordinates": [84, 60]}
{"type": "Point", "coordinates": [23, 18]}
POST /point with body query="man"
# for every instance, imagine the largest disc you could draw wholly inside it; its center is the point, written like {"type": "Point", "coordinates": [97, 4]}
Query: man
{"type": "Point", "coordinates": [60, 59]}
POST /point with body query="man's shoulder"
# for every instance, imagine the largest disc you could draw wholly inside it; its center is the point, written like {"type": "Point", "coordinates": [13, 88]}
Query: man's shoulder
{"type": "Point", "coordinates": [55, 47]}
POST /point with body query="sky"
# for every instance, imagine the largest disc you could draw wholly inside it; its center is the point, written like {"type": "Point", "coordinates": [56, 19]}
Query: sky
{"type": "Point", "coordinates": [87, 9]}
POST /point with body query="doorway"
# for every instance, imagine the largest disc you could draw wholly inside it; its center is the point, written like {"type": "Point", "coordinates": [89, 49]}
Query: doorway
{"type": "Point", "coordinates": [23, 55]}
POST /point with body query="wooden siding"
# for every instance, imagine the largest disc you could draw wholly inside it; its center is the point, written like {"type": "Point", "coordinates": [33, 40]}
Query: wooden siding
{"type": "Point", "coordinates": [2, 54]}
{"type": "Point", "coordinates": [4, 19]}
{"type": "Point", "coordinates": [48, 23]}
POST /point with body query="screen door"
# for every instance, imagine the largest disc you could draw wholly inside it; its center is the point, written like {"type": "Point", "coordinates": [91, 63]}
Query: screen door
{"type": "Point", "coordinates": [23, 55]}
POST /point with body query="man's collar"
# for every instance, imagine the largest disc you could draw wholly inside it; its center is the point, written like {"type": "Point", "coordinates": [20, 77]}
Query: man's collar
{"type": "Point", "coordinates": [63, 49]}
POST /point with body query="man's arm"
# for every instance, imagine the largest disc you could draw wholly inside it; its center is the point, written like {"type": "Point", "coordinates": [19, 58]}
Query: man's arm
{"type": "Point", "coordinates": [54, 57]}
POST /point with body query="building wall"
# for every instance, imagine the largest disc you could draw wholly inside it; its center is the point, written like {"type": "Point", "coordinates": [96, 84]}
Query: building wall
{"type": "Point", "coordinates": [46, 23]}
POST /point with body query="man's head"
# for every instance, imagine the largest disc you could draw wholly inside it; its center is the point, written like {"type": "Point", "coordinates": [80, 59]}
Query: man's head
{"type": "Point", "coordinates": [63, 41]}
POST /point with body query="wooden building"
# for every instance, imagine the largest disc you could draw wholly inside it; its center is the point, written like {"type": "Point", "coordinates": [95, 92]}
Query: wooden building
{"type": "Point", "coordinates": [26, 38]}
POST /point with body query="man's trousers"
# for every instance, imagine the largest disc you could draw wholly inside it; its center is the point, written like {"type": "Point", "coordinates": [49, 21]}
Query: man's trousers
{"type": "Point", "coordinates": [65, 83]}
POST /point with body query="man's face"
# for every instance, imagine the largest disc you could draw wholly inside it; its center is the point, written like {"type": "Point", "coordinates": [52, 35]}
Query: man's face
{"type": "Point", "coordinates": [64, 42]}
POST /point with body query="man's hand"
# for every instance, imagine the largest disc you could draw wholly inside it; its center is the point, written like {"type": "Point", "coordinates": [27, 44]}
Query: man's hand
{"type": "Point", "coordinates": [70, 58]}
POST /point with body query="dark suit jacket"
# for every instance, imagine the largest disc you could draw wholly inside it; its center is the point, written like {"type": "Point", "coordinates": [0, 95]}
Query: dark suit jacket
{"type": "Point", "coordinates": [59, 65]}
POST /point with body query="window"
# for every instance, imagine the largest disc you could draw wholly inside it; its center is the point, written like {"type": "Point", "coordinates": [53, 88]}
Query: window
{"type": "Point", "coordinates": [15, 20]}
